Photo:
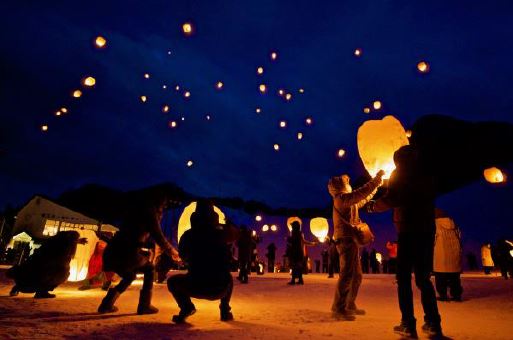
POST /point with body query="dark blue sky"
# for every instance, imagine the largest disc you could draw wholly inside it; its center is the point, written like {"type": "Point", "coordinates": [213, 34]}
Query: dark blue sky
{"type": "Point", "coordinates": [109, 137]}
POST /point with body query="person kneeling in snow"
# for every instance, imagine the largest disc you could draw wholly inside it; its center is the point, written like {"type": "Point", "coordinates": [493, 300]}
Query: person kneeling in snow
{"type": "Point", "coordinates": [206, 251]}
{"type": "Point", "coordinates": [48, 267]}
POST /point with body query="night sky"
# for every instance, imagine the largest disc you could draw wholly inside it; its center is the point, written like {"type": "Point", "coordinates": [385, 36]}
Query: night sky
{"type": "Point", "coordinates": [110, 137]}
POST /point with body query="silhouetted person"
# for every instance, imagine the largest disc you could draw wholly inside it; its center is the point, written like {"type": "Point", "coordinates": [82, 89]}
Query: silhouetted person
{"type": "Point", "coordinates": [365, 261]}
{"type": "Point", "coordinates": [392, 258]}
{"type": "Point", "coordinates": [96, 277]}
{"type": "Point", "coordinates": [374, 264]}
{"type": "Point", "coordinates": [206, 250]}
{"type": "Point", "coordinates": [334, 260]}
{"type": "Point", "coordinates": [504, 258]}
{"type": "Point", "coordinates": [447, 257]}
{"type": "Point", "coordinates": [325, 259]}
{"type": "Point", "coordinates": [346, 204]}
{"type": "Point", "coordinates": [411, 192]}
{"type": "Point", "coordinates": [245, 246]}
{"type": "Point", "coordinates": [486, 258]}
{"type": "Point", "coordinates": [128, 254]}
{"type": "Point", "coordinates": [472, 261]}
{"type": "Point", "coordinates": [295, 252]}
{"type": "Point", "coordinates": [271, 256]}
{"type": "Point", "coordinates": [48, 267]}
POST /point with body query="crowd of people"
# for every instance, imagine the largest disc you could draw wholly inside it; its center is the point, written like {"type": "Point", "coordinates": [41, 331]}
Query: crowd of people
{"type": "Point", "coordinates": [428, 241]}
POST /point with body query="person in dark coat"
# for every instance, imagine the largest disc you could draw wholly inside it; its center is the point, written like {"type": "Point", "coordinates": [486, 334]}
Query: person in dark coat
{"type": "Point", "coordinates": [271, 256]}
{"type": "Point", "coordinates": [206, 250]}
{"type": "Point", "coordinates": [127, 252]}
{"type": "Point", "coordinates": [504, 258]}
{"type": "Point", "coordinates": [334, 260]}
{"type": "Point", "coordinates": [374, 264]}
{"type": "Point", "coordinates": [411, 193]}
{"type": "Point", "coordinates": [48, 267]}
{"type": "Point", "coordinates": [295, 245]}
{"type": "Point", "coordinates": [245, 246]}
{"type": "Point", "coordinates": [365, 261]}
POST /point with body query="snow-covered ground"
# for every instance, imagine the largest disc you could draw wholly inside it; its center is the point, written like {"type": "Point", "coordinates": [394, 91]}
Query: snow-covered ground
{"type": "Point", "coordinates": [266, 308]}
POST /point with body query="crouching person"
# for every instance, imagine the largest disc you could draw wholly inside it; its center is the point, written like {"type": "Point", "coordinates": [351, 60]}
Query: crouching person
{"type": "Point", "coordinates": [206, 251]}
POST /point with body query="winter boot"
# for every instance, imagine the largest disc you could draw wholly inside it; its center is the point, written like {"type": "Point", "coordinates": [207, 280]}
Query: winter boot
{"type": "Point", "coordinates": [43, 295]}
{"type": "Point", "coordinates": [433, 330]}
{"type": "Point", "coordinates": [226, 314]}
{"type": "Point", "coordinates": [107, 305]}
{"type": "Point", "coordinates": [145, 306]}
{"type": "Point", "coordinates": [406, 330]}
{"type": "Point", "coordinates": [184, 314]}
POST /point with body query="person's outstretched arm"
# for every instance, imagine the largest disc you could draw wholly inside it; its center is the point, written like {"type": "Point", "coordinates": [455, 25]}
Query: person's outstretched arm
{"type": "Point", "coordinates": [362, 194]}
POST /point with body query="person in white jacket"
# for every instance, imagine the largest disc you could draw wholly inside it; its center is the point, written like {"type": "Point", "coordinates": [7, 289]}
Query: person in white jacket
{"type": "Point", "coordinates": [447, 257]}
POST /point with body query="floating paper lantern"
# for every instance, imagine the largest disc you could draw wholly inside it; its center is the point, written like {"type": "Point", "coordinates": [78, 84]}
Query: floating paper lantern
{"type": "Point", "coordinates": [64, 110]}
{"type": "Point", "coordinates": [274, 227]}
{"type": "Point", "coordinates": [319, 227]}
{"type": "Point", "coordinates": [77, 94]}
{"type": "Point", "coordinates": [183, 118]}
{"type": "Point", "coordinates": [187, 28]}
{"type": "Point", "coordinates": [283, 124]}
{"type": "Point", "coordinates": [366, 110]}
{"type": "Point", "coordinates": [265, 228]}
{"type": "Point", "coordinates": [144, 99]}
{"type": "Point", "coordinates": [147, 75]}
{"type": "Point", "coordinates": [168, 52]}
{"type": "Point", "coordinates": [219, 85]}
{"type": "Point", "coordinates": [258, 218]}
{"type": "Point", "coordinates": [177, 87]}
{"type": "Point", "coordinates": [423, 67]}
{"type": "Point", "coordinates": [377, 105]}
{"type": "Point", "coordinates": [378, 140]}
{"type": "Point", "coordinates": [276, 147]}
{"type": "Point", "coordinates": [165, 108]}
{"type": "Point", "coordinates": [44, 128]}
{"type": "Point", "coordinates": [190, 163]}
{"type": "Point", "coordinates": [274, 55]}
{"type": "Point", "coordinates": [258, 110]}
{"type": "Point", "coordinates": [260, 70]}
{"type": "Point", "coordinates": [281, 92]}
{"type": "Point", "coordinates": [288, 96]}
{"type": "Point", "coordinates": [293, 219]}
{"type": "Point", "coordinates": [301, 90]}
{"type": "Point", "coordinates": [341, 153]}
{"type": "Point", "coordinates": [357, 52]}
{"type": "Point", "coordinates": [494, 175]}
{"type": "Point", "coordinates": [172, 124]}
{"type": "Point", "coordinates": [58, 113]}
{"type": "Point", "coordinates": [207, 117]}
{"type": "Point", "coordinates": [187, 94]}
{"type": "Point", "coordinates": [184, 222]}
{"type": "Point", "coordinates": [308, 121]}
{"type": "Point", "coordinates": [262, 88]}
{"type": "Point", "coordinates": [299, 135]}
{"type": "Point", "coordinates": [164, 87]}
{"type": "Point", "coordinates": [100, 42]}
{"type": "Point", "coordinates": [89, 81]}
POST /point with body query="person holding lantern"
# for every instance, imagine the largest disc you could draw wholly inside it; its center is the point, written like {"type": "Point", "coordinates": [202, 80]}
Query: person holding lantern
{"type": "Point", "coordinates": [296, 252]}
{"type": "Point", "coordinates": [346, 204]}
{"type": "Point", "coordinates": [411, 193]}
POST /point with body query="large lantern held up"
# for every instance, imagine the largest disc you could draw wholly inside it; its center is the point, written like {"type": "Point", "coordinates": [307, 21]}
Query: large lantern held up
{"type": "Point", "coordinates": [319, 227]}
{"type": "Point", "coordinates": [378, 140]}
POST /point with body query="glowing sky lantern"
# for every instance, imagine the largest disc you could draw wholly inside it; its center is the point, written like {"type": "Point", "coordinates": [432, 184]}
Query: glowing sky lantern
{"type": "Point", "coordinates": [258, 110]}
{"type": "Point", "coordinates": [494, 175]}
{"type": "Point", "coordinates": [190, 163]}
{"type": "Point", "coordinates": [64, 110]}
{"type": "Point", "coordinates": [301, 90]}
{"type": "Point", "coordinates": [265, 228]}
{"type": "Point", "coordinates": [177, 87]}
{"type": "Point", "coordinates": [44, 128]}
{"type": "Point", "coordinates": [100, 42]}
{"type": "Point", "coordinates": [379, 257]}
{"type": "Point", "coordinates": [165, 108]}
{"type": "Point", "coordinates": [288, 96]}
{"type": "Point", "coordinates": [423, 67]}
{"type": "Point", "coordinates": [281, 92]}
{"type": "Point", "coordinates": [276, 147]}
{"type": "Point", "coordinates": [77, 94]}
{"type": "Point", "coordinates": [274, 227]}
{"type": "Point", "coordinates": [308, 121]}
{"type": "Point", "coordinates": [58, 113]}
{"type": "Point", "coordinates": [274, 55]}
{"type": "Point", "coordinates": [292, 219]}
{"type": "Point", "coordinates": [299, 135]}
{"type": "Point", "coordinates": [164, 87]}
{"type": "Point", "coordinates": [358, 52]}
{"type": "Point", "coordinates": [187, 28]}
{"type": "Point", "coordinates": [147, 76]}
{"type": "Point", "coordinates": [89, 81]}
{"type": "Point", "coordinates": [377, 142]}
{"type": "Point", "coordinates": [172, 124]}
{"type": "Point", "coordinates": [366, 110]}
{"type": "Point", "coordinates": [184, 222]}
{"type": "Point", "coordinates": [262, 88]}
{"type": "Point", "coordinates": [283, 124]}
{"type": "Point", "coordinates": [144, 99]}
{"type": "Point", "coordinates": [183, 118]}
{"type": "Point", "coordinates": [258, 218]}
{"type": "Point", "coordinates": [219, 85]}
{"type": "Point", "coordinates": [207, 117]}
{"type": "Point", "coordinates": [187, 94]}
{"type": "Point", "coordinates": [341, 153]}
{"type": "Point", "coordinates": [377, 105]}
{"type": "Point", "coordinates": [319, 227]}
{"type": "Point", "coordinates": [260, 70]}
